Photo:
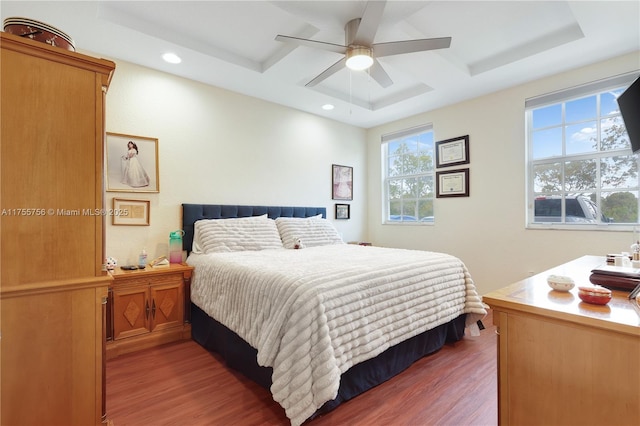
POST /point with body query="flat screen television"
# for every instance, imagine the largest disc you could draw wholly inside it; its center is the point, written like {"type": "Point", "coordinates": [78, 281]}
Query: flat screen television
{"type": "Point", "coordinates": [629, 104]}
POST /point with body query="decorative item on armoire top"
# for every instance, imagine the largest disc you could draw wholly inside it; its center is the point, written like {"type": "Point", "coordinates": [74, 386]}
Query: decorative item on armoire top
{"type": "Point", "coordinates": [452, 183]}
{"type": "Point", "coordinates": [130, 212]}
{"type": "Point", "coordinates": [132, 163]}
{"type": "Point", "coordinates": [38, 31]}
{"type": "Point", "coordinates": [341, 182]}
{"type": "Point", "coordinates": [343, 211]}
{"type": "Point", "coordinates": [452, 152]}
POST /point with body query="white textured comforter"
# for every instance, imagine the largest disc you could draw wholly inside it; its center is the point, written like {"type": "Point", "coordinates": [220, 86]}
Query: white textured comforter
{"type": "Point", "coordinates": [313, 313]}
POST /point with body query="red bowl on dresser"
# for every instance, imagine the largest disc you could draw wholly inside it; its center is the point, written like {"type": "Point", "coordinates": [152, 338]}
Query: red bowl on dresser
{"type": "Point", "coordinates": [594, 295]}
{"type": "Point", "coordinates": [38, 31]}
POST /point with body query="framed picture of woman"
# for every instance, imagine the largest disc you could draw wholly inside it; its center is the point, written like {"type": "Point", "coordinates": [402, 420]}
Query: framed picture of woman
{"type": "Point", "coordinates": [132, 163]}
{"type": "Point", "coordinates": [342, 182]}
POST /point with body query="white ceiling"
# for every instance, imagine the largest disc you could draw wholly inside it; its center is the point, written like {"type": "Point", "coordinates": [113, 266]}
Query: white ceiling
{"type": "Point", "coordinates": [230, 44]}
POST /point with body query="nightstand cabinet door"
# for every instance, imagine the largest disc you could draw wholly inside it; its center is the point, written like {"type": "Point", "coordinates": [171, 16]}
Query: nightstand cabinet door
{"type": "Point", "coordinates": [131, 311]}
{"type": "Point", "coordinates": [167, 304]}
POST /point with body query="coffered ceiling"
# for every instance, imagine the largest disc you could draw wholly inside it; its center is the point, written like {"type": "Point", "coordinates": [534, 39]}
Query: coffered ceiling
{"type": "Point", "coordinates": [231, 44]}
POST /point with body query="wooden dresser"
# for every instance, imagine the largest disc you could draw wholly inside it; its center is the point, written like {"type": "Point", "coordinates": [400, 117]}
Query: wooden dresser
{"type": "Point", "coordinates": [52, 290]}
{"type": "Point", "coordinates": [562, 361]}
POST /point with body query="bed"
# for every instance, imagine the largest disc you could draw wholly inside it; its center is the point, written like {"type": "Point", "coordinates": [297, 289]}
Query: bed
{"type": "Point", "coordinates": [325, 322]}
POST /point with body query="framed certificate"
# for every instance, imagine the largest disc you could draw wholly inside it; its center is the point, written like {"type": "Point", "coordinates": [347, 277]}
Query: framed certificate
{"type": "Point", "coordinates": [130, 212]}
{"type": "Point", "coordinates": [452, 183]}
{"type": "Point", "coordinates": [452, 152]}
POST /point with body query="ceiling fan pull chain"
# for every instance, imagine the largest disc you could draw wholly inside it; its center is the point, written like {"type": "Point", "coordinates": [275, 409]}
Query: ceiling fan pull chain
{"type": "Point", "coordinates": [350, 103]}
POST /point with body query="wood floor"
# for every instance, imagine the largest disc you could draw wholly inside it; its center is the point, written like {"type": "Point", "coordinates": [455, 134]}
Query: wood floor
{"type": "Point", "coordinates": [182, 384]}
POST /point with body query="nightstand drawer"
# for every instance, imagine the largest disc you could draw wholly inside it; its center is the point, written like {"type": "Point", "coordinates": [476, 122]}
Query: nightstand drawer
{"type": "Point", "coordinates": [162, 279]}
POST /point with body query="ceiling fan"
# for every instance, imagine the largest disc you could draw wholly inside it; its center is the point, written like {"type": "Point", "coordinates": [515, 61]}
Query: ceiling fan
{"type": "Point", "coordinates": [360, 52]}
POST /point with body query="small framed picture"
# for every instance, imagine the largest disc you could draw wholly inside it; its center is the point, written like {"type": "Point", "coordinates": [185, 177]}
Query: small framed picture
{"type": "Point", "coordinates": [343, 211]}
{"type": "Point", "coordinates": [452, 152]}
{"type": "Point", "coordinates": [341, 182]}
{"type": "Point", "coordinates": [130, 212]}
{"type": "Point", "coordinates": [452, 183]}
{"type": "Point", "coordinates": [132, 163]}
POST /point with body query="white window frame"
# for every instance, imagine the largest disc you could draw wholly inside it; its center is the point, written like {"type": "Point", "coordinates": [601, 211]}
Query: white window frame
{"type": "Point", "coordinates": [385, 140]}
{"type": "Point", "coordinates": [562, 97]}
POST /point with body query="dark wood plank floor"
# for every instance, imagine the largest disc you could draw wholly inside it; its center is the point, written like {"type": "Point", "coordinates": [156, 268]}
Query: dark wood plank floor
{"type": "Point", "coordinates": [182, 384]}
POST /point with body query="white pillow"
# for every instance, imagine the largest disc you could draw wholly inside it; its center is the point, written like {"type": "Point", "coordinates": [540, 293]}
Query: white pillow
{"type": "Point", "coordinates": [237, 234]}
{"type": "Point", "coordinates": [312, 231]}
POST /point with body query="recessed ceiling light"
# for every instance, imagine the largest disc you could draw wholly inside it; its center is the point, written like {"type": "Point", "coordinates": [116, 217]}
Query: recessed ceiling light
{"type": "Point", "coordinates": [327, 107]}
{"type": "Point", "coordinates": [172, 58]}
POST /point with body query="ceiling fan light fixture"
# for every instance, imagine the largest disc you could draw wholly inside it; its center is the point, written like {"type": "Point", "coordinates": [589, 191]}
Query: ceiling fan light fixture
{"type": "Point", "coordinates": [359, 58]}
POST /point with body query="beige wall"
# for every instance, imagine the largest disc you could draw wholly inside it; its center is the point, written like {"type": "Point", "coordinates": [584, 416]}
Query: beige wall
{"type": "Point", "coordinates": [487, 229]}
{"type": "Point", "coordinates": [216, 146]}
{"type": "Point", "coordinates": [219, 147]}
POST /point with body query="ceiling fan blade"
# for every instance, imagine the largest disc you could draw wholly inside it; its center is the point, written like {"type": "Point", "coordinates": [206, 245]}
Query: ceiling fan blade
{"type": "Point", "coordinates": [369, 23]}
{"type": "Point", "coordinates": [328, 72]}
{"type": "Point", "coordinates": [312, 43]}
{"type": "Point", "coordinates": [379, 74]}
{"type": "Point", "coordinates": [409, 46]}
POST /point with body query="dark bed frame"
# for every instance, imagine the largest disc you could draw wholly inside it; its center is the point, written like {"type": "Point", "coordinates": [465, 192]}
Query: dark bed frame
{"type": "Point", "coordinates": [240, 356]}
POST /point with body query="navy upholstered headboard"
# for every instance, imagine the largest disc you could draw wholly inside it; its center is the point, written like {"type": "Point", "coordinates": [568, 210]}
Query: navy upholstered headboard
{"type": "Point", "coordinates": [193, 212]}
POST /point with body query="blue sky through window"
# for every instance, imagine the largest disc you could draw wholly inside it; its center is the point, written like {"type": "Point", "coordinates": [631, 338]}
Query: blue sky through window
{"type": "Point", "coordinates": [579, 124]}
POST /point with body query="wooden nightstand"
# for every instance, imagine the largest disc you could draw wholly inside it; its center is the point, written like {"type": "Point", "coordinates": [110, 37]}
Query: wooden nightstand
{"type": "Point", "coordinates": [148, 307]}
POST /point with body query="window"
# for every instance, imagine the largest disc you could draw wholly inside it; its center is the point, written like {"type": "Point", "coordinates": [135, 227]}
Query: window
{"type": "Point", "coordinates": [409, 178]}
{"type": "Point", "coordinates": [580, 169]}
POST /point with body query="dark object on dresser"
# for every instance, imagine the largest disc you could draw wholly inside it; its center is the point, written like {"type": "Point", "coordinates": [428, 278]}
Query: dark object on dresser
{"type": "Point", "coordinates": [615, 277]}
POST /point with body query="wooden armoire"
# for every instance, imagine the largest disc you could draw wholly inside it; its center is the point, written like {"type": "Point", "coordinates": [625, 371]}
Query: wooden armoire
{"type": "Point", "coordinates": [52, 288]}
